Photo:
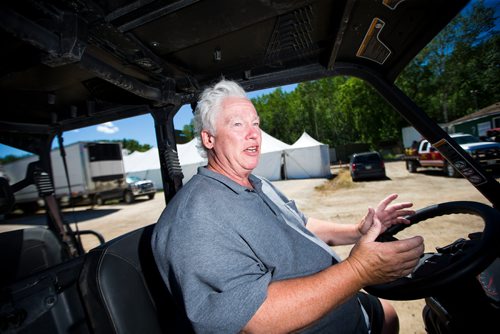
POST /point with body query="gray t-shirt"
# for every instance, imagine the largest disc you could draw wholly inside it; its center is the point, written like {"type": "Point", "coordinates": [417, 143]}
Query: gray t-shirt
{"type": "Point", "coordinates": [218, 245]}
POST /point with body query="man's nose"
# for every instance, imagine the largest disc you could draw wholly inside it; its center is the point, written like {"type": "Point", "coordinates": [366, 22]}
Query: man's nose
{"type": "Point", "coordinates": [253, 132]}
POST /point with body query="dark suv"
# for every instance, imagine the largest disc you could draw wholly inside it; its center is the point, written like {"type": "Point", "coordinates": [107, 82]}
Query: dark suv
{"type": "Point", "coordinates": [367, 165]}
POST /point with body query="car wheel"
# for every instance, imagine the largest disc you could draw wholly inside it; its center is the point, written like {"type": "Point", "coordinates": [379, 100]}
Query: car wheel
{"type": "Point", "coordinates": [128, 197]}
{"type": "Point", "coordinates": [29, 207]}
{"type": "Point", "coordinates": [98, 200]}
{"type": "Point", "coordinates": [411, 166]}
{"type": "Point", "coordinates": [450, 170]}
{"type": "Point", "coordinates": [151, 196]}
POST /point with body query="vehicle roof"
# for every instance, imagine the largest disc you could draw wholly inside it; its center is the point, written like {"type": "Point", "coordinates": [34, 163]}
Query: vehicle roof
{"type": "Point", "coordinates": [364, 155]}
{"type": "Point", "coordinates": [453, 135]}
{"type": "Point", "coordinates": [367, 153]}
{"type": "Point", "coordinates": [68, 64]}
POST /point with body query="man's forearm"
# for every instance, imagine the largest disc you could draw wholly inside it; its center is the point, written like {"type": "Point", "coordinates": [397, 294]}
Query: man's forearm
{"type": "Point", "coordinates": [296, 303]}
{"type": "Point", "coordinates": [334, 234]}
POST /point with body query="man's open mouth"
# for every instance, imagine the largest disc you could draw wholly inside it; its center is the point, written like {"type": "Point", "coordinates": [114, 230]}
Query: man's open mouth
{"type": "Point", "coordinates": [252, 149]}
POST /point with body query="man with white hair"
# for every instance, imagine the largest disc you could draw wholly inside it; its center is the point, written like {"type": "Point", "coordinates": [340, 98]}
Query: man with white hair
{"type": "Point", "coordinates": [239, 256]}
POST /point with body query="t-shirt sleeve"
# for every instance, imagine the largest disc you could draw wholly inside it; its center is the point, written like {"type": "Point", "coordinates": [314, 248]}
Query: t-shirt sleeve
{"type": "Point", "coordinates": [221, 281]}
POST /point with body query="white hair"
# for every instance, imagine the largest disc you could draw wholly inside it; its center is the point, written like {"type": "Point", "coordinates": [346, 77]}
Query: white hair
{"type": "Point", "coordinates": [209, 105]}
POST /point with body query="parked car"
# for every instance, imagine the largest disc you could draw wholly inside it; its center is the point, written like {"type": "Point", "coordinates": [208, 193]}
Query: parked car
{"type": "Point", "coordinates": [137, 187]}
{"type": "Point", "coordinates": [367, 165]}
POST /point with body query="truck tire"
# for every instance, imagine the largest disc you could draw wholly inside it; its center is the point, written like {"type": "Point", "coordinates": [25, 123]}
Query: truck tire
{"type": "Point", "coordinates": [128, 197]}
{"type": "Point", "coordinates": [28, 208]}
{"type": "Point", "coordinates": [98, 200]}
{"type": "Point", "coordinates": [450, 170]}
{"type": "Point", "coordinates": [411, 166]}
{"type": "Point", "coordinates": [151, 196]}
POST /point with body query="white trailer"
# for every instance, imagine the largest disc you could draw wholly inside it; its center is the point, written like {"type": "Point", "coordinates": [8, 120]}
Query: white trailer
{"type": "Point", "coordinates": [95, 170]}
{"type": "Point", "coordinates": [410, 136]}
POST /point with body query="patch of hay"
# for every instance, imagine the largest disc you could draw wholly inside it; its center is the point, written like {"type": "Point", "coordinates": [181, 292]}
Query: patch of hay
{"type": "Point", "coordinates": [342, 180]}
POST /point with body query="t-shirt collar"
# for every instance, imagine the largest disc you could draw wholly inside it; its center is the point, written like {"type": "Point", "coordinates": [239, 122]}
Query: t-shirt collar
{"type": "Point", "coordinates": [237, 188]}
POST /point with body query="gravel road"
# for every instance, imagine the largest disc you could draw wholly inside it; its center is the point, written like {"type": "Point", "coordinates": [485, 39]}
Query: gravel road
{"type": "Point", "coordinates": [346, 205]}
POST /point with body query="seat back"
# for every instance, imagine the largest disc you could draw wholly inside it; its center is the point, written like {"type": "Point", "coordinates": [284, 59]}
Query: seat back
{"type": "Point", "coordinates": [27, 251]}
{"type": "Point", "coordinates": [7, 199]}
{"type": "Point", "coordinates": [38, 290]}
{"type": "Point", "coordinates": [123, 291]}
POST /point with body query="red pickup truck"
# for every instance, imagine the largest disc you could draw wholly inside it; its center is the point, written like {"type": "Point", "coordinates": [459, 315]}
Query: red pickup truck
{"type": "Point", "coordinates": [425, 155]}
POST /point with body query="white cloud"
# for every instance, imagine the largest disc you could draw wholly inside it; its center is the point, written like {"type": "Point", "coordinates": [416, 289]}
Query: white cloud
{"type": "Point", "coordinates": [107, 127]}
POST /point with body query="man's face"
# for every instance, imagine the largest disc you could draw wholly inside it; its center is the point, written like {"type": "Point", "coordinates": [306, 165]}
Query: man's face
{"type": "Point", "coordinates": [235, 149]}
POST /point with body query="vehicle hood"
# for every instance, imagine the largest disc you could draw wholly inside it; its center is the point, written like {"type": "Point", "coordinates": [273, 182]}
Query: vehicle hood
{"type": "Point", "coordinates": [138, 183]}
{"type": "Point", "coordinates": [480, 146]}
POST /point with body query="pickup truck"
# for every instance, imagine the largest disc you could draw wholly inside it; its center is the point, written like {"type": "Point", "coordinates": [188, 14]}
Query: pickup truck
{"type": "Point", "coordinates": [137, 187]}
{"type": "Point", "coordinates": [426, 155]}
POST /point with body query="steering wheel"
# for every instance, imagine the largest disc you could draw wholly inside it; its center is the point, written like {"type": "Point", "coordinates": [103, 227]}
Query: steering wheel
{"type": "Point", "coordinates": [463, 258]}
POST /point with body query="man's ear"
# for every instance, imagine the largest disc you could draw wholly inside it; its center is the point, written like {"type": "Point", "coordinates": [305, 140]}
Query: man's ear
{"type": "Point", "coordinates": [207, 139]}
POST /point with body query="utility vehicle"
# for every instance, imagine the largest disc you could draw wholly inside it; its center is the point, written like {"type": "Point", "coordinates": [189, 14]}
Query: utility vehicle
{"type": "Point", "coordinates": [68, 64]}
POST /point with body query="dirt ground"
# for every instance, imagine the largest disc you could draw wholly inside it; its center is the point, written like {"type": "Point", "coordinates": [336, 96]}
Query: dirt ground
{"type": "Point", "coordinates": [346, 204]}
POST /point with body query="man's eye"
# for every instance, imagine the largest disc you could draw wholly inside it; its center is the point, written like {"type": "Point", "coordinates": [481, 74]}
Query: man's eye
{"type": "Point", "coordinates": [256, 124]}
{"type": "Point", "coordinates": [237, 124]}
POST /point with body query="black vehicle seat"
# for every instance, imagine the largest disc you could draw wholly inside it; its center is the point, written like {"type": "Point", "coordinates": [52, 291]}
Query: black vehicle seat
{"type": "Point", "coordinates": [7, 199]}
{"type": "Point", "coordinates": [27, 251]}
{"type": "Point", "coordinates": [123, 291]}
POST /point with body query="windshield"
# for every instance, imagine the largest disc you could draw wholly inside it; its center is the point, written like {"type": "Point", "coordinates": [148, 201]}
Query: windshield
{"type": "Point", "coordinates": [368, 158]}
{"type": "Point", "coordinates": [131, 179]}
{"type": "Point", "coordinates": [466, 139]}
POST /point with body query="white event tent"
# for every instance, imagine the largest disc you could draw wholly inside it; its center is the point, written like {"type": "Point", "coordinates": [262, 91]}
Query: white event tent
{"type": "Point", "coordinates": [146, 165]}
{"type": "Point", "coordinates": [307, 158]}
{"type": "Point", "coordinates": [190, 159]}
{"type": "Point", "coordinates": [271, 157]}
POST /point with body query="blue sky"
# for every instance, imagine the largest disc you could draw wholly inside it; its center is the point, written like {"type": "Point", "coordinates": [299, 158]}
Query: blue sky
{"type": "Point", "coordinates": [140, 128]}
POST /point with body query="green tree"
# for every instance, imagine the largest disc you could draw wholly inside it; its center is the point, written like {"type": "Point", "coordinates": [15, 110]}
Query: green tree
{"type": "Point", "coordinates": [188, 131]}
{"type": "Point", "coordinates": [458, 72]}
{"type": "Point", "coordinates": [11, 158]}
{"type": "Point", "coordinates": [276, 114]}
{"type": "Point", "coordinates": [133, 145]}
{"type": "Point", "coordinates": [459, 68]}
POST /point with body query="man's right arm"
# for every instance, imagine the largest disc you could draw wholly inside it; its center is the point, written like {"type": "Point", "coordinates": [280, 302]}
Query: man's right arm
{"type": "Point", "coordinates": [296, 303]}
